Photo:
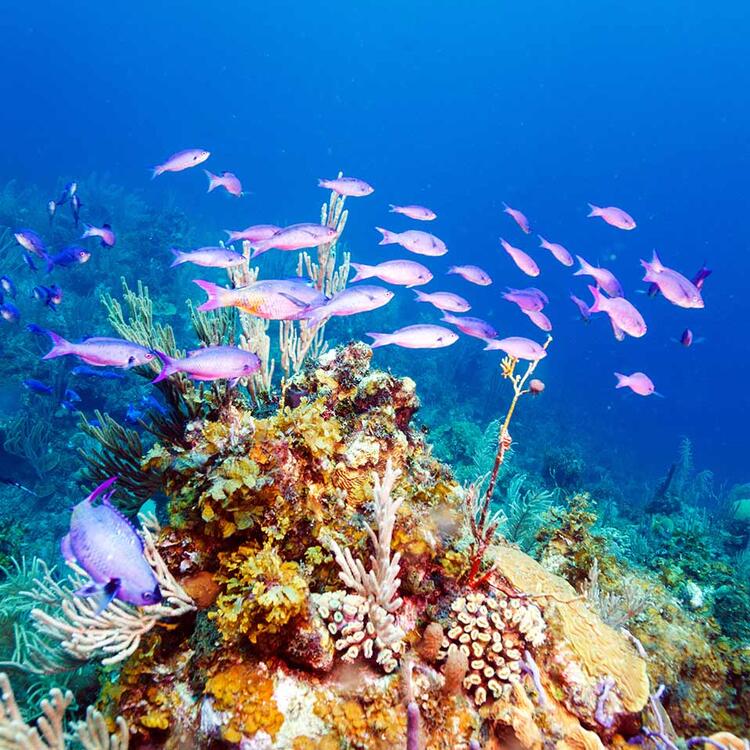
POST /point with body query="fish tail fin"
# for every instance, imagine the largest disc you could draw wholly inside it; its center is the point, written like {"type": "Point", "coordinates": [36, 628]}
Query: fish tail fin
{"type": "Point", "coordinates": [622, 380]}
{"type": "Point", "coordinates": [169, 366]}
{"type": "Point", "coordinates": [656, 263]}
{"type": "Point", "coordinates": [259, 248]}
{"type": "Point", "coordinates": [363, 271]}
{"type": "Point", "coordinates": [217, 295]}
{"type": "Point", "coordinates": [505, 206]}
{"type": "Point", "coordinates": [595, 210]}
{"type": "Point", "coordinates": [231, 235]}
{"type": "Point", "coordinates": [213, 180]}
{"type": "Point", "coordinates": [379, 339]}
{"type": "Point", "coordinates": [389, 238]}
{"type": "Point", "coordinates": [156, 171]}
{"type": "Point", "coordinates": [448, 318]}
{"type": "Point", "coordinates": [179, 257]}
{"type": "Point", "coordinates": [60, 347]}
{"type": "Point", "coordinates": [421, 296]}
{"type": "Point", "coordinates": [596, 305]}
{"type": "Point", "coordinates": [392, 208]}
{"type": "Point", "coordinates": [542, 241]}
{"type": "Point", "coordinates": [323, 183]}
{"type": "Point", "coordinates": [585, 269]}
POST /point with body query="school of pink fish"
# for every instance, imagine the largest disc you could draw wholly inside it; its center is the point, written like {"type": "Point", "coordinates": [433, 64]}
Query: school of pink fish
{"type": "Point", "coordinates": [294, 299]}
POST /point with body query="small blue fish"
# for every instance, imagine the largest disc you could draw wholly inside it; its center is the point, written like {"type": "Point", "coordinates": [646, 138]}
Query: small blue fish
{"type": "Point", "coordinates": [68, 192]}
{"type": "Point", "coordinates": [72, 396]}
{"type": "Point", "coordinates": [583, 308]}
{"type": "Point", "coordinates": [29, 240]}
{"type": "Point", "coordinates": [29, 261]}
{"type": "Point", "coordinates": [51, 208]}
{"type": "Point", "coordinates": [68, 406]}
{"type": "Point", "coordinates": [8, 286]}
{"type": "Point", "coordinates": [50, 296]}
{"type": "Point", "coordinates": [68, 256]}
{"type": "Point", "coordinates": [87, 371]}
{"type": "Point", "coordinates": [36, 386]}
{"type": "Point", "coordinates": [75, 208]}
{"type": "Point", "coordinates": [36, 330]}
{"type": "Point", "coordinates": [702, 274]}
{"type": "Point", "coordinates": [9, 312]}
{"type": "Point", "coordinates": [133, 416]}
{"type": "Point", "coordinates": [105, 545]}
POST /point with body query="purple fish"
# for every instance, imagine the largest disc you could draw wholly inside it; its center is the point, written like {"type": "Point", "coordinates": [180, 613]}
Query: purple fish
{"type": "Point", "coordinates": [7, 285]}
{"type": "Point", "coordinates": [614, 216]}
{"type": "Point", "coordinates": [583, 308]}
{"type": "Point", "coordinates": [415, 241]}
{"type": "Point", "coordinates": [674, 286]}
{"type": "Point", "coordinates": [624, 316]}
{"type": "Point", "coordinates": [420, 213]}
{"type": "Point", "coordinates": [352, 301]}
{"type": "Point", "coordinates": [687, 337]}
{"type": "Point", "coordinates": [527, 299]}
{"type": "Point", "coordinates": [68, 256]}
{"type": "Point", "coordinates": [211, 363]}
{"type": "Point", "coordinates": [255, 233]}
{"type": "Point", "coordinates": [36, 386]}
{"type": "Point", "coordinates": [227, 180]}
{"type": "Point", "coordinates": [416, 337]}
{"type": "Point", "coordinates": [702, 274]}
{"type": "Point", "coordinates": [401, 272]}
{"type": "Point", "coordinates": [446, 301]}
{"type": "Point", "coordinates": [518, 217]}
{"type": "Point", "coordinates": [105, 545]}
{"type": "Point", "coordinates": [9, 312]}
{"type": "Point", "coordinates": [101, 351]}
{"type": "Point", "coordinates": [539, 319]}
{"type": "Point", "coordinates": [525, 262]}
{"type": "Point", "coordinates": [604, 278]}
{"type": "Point", "coordinates": [191, 157]}
{"type": "Point", "coordinates": [476, 327]}
{"type": "Point", "coordinates": [296, 237]}
{"type": "Point", "coordinates": [208, 257]}
{"type": "Point", "coordinates": [560, 253]}
{"type": "Point", "coordinates": [518, 347]}
{"type": "Point", "coordinates": [104, 233]}
{"type": "Point", "coordinates": [474, 274]}
{"type": "Point", "coordinates": [29, 240]}
{"type": "Point", "coordinates": [352, 187]}
{"type": "Point", "coordinates": [638, 382]}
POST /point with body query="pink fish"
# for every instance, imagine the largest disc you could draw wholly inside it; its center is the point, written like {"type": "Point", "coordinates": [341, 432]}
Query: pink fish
{"type": "Point", "coordinates": [400, 272]}
{"type": "Point", "coordinates": [101, 351]}
{"type": "Point", "coordinates": [521, 259]}
{"type": "Point", "coordinates": [560, 253]}
{"type": "Point", "coordinates": [615, 217]}
{"type": "Point", "coordinates": [518, 217]}
{"type": "Point", "coordinates": [211, 363]}
{"type": "Point", "coordinates": [604, 278]}
{"type": "Point", "coordinates": [446, 301]}
{"type": "Point", "coordinates": [255, 233]}
{"type": "Point", "coordinates": [519, 348]}
{"type": "Point", "coordinates": [416, 337]}
{"type": "Point", "coordinates": [421, 243]}
{"type": "Point", "coordinates": [270, 299]}
{"type": "Point", "coordinates": [227, 180]}
{"type": "Point", "coordinates": [539, 319]}
{"type": "Point", "coordinates": [351, 301]}
{"type": "Point", "coordinates": [638, 382]}
{"type": "Point", "coordinates": [296, 237]}
{"type": "Point", "coordinates": [674, 286]}
{"type": "Point", "coordinates": [104, 233]}
{"type": "Point", "coordinates": [352, 187]}
{"type": "Point", "coordinates": [623, 315]}
{"type": "Point", "coordinates": [476, 327]}
{"type": "Point", "coordinates": [420, 213]}
{"type": "Point", "coordinates": [583, 308]}
{"type": "Point", "coordinates": [474, 274]}
{"type": "Point", "coordinates": [527, 299]}
{"type": "Point", "coordinates": [192, 157]}
{"type": "Point", "coordinates": [208, 257]}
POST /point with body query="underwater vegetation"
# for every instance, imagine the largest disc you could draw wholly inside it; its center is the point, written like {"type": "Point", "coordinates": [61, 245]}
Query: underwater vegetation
{"type": "Point", "coordinates": [326, 580]}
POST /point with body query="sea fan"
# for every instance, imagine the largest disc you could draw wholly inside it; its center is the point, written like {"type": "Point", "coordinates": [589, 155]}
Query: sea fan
{"type": "Point", "coordinates": [524, 511]}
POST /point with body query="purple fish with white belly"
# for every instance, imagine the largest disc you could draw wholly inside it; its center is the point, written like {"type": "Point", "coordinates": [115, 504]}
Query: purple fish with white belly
{"type": "Point", "coordinates": [211, 363]}
{"type": "Point", "coordinates": [105, 545]}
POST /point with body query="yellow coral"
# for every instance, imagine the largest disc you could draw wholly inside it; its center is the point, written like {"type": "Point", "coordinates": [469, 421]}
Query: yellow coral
{"type": "Point", "coordinates": [261, 596]}
{"type": "Point", "coordinates": [246, 693]}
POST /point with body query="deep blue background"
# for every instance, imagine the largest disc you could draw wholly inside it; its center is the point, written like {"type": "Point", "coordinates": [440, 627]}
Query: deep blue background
{"type": "Point", "coordinates": [459, 106]}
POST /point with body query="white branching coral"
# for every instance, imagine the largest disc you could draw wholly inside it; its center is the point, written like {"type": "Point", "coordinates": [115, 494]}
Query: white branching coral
{"type": "Point", "coordinates": [115, 633]}
{"type": "Point", "coordinates": [49, 731]}
{"type": "Point", "coordinates": [364, 618]}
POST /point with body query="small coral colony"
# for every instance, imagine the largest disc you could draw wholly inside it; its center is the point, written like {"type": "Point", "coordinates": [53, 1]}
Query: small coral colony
{"type": "Point", "coordinates": [318, 579]}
